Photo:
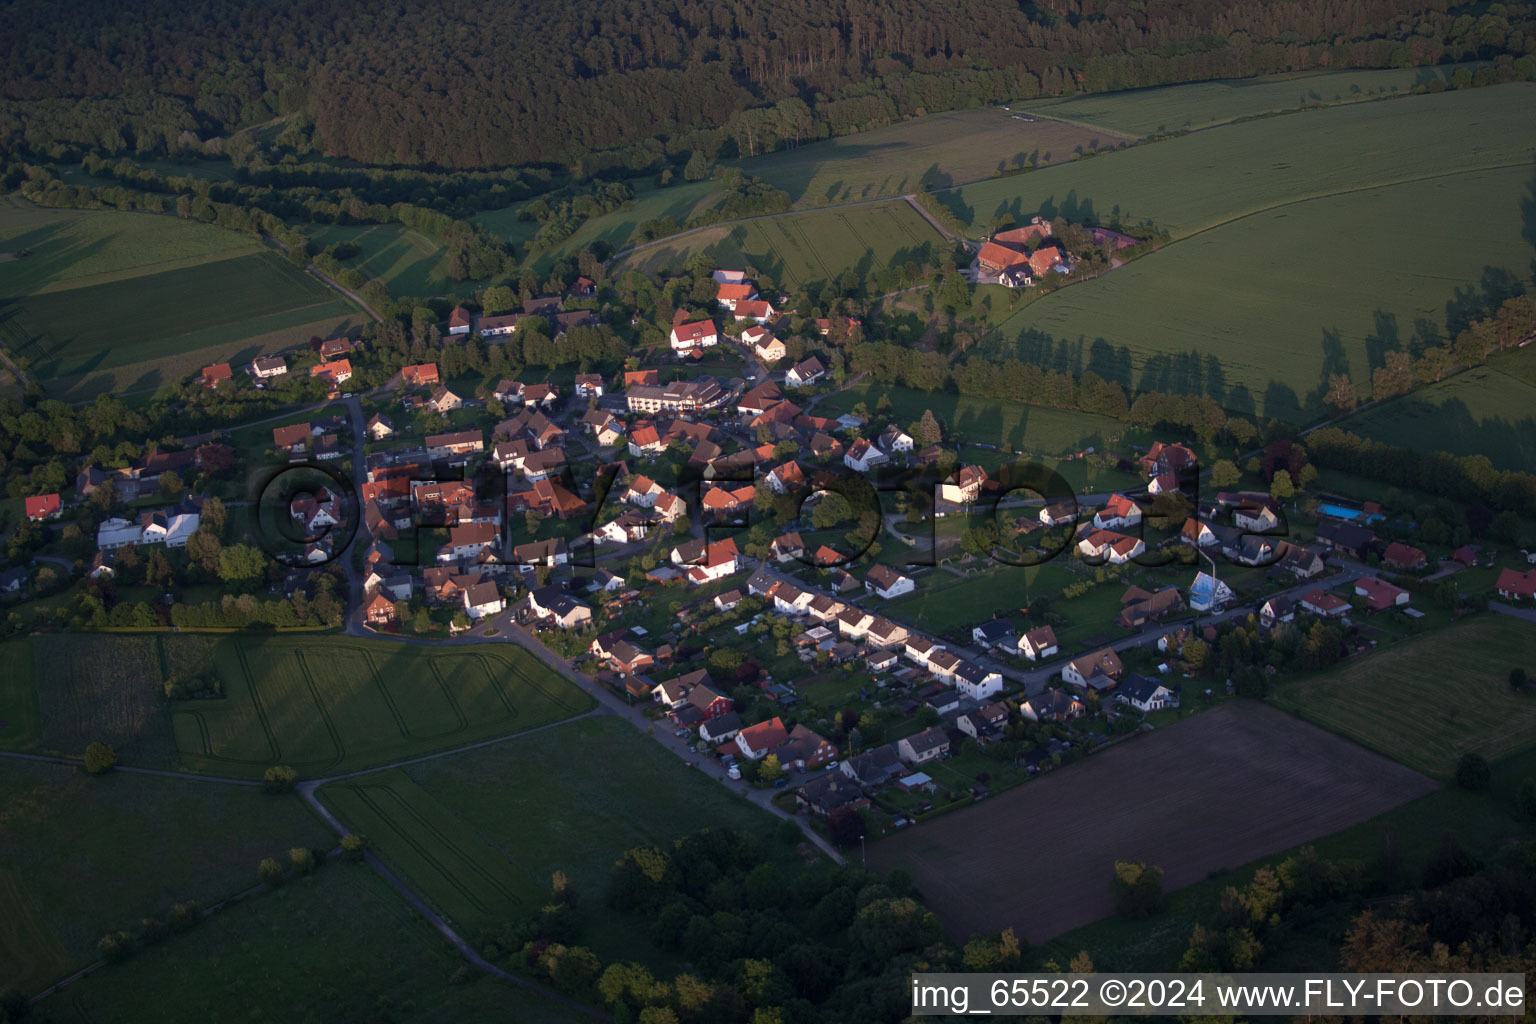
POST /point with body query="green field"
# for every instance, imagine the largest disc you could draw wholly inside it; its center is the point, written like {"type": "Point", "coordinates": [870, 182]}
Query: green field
{"type": "Point", "coordinates": [1481, 411]}
{"type": "Point", "coordinates": [1199, 105]}
{"type": "Point", "coordinates": [338, 945]}
{"type": "Point", "coordinates": [1428, 700]}
{"type": "Point", "coordinates": [458, 827]}
{"type": "Point", "coordinates": [104, 300]}
{"type": "Point", "coordinates": [80, 856]}
{"type": "Point", "coordinates": [922, 154]}
{"type": "Point", "coordinates": [1252, 314]}
{"type": "Point", "coordinates": [802, 249]}
{"type": "Point", "coordinates": [330, 704]}
{"type": "Point", "coordinates": [1023, 428]}
{"type": "Point", "coordinates": [407, 261]}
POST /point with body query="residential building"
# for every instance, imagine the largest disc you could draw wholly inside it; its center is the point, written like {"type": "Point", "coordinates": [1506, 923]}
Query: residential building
{"type": "Point", "coordinates": [883, 581]}
{"type": "Point", "coordinates": [804, 373]}
{"type": "Point", "coordinates": [1038, 643]}
{"type": "Point", "coordinates": [928, 745]}
{"type": "Point", "coordinates": [1145, 694]}
{"type": "Point", "coordinates": [1098, 671]}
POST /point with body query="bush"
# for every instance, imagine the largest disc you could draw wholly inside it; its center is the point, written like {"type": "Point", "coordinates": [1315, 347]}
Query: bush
{"type": "Point", "coordinates": [99, 757]}
{"type": "Point", "coordinates": [270, 870]}
{"type": "Point", "coordinates": [115, 945]}
{"type": "Point", "coordinates": [303, 859]}
{"type": "Point", "coordinates": [352, 847]}
{"type": "Point", "coordinates": [1137, 888]}
{"type": "Point", "coordinates": [1472, 773]}
{"type": "Point", "coordinates": [279, 779]}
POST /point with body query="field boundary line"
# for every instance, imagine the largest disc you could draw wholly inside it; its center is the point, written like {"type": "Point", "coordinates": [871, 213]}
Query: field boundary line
{"type": "Point", "coordinates": [325, 715]}
{"type": "Point", "coordinates": [383, 688]}
{"type": "Point", "coordinates": [449, 696]}
{"type": "Point", "coordinates": [273, 747]}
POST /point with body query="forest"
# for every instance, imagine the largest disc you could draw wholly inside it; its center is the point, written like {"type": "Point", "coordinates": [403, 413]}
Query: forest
{"type": "Point", "coordinates": [617, 85]}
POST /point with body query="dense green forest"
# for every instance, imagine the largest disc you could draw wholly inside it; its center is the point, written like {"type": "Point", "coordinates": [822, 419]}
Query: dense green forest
{"type": "Point", "coordinates": [618, 85]}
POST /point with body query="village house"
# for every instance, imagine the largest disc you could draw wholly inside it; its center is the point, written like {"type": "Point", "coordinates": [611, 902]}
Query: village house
{"type": "Point", "coordinates": [804, 373]}
{"type": "Point", "coordinates": [292, 439]}
{"type": "Point", "coordinates": [691, 337]}
{"type": "Point", "coordinates": [830, 793]}
{"type": "Point", "coordinates": [419, 374]}
{"type": "Point", "coordinates": [455, 447]}
{"type": "Point", "coordinates": [730, 293]}
{"type": "Point", "coordinates": [985, 724]}
{"type": "Point", "coordinates": [758, 741]}
{"type": "Point", "coordinates": [785, 478]}
{"type": "Point", "coordinates": [885, 582]}
{"type": "Point", "coordinates": [1053, 705]}
{"type": "Point", "coordinates": [1118, 512]}
{"type": "Point", "coordinates": [893, 439]}
{"type": "Point", "coordinates": [928, 745]}
{"type": "Point", "coordinates": [42, 507]}
{"type": "Point", "coordinates": [460, 320]}
{"type": "Point", "coordinates": [1059, 513]}
{"type": "Point", "coordinates": [267, 367]}
{"type": "Point", "coordinates": [333, 373]}
{"type": "Point", "coordinates": [1114, 548]}
{"type": "Point", "coordinates": [805, 750]}
{"type": "Point", "coordinates": [1277, 609]}
{"type": "Point", "coordinates": [380, 611]}
{"type": "Point", "coordinates": [1514, 585]}
{"type": "Point", "coordinates": [444, 401]}
{"type": "Point", "coordinates": [1379, 594]}
{"type": "Point", "coordinates": [1138, 607]}
{"type": "Point", "coordinates": [1324, 603]}
{"type": "Point", "coordinates": [996, 634]}
{"type": "Point", "coordinates": [873, 768]}
{"type": "Point", "coordinates": [678, 396]}
{"type": "Point", "coordinates": [588, 385]}
{"type": "Point", "coordinates": [553, 604]}
{"type": "Point", "coordinates": [213, 376]}
{"type": "Point", "coordinates": [483, 599]}
{"type": "Point", "coordinates": [862, 456]}
{"type": "Point", "coordinates": [1097, 671]}
{"type": "Point", "coordinates": [1403, 557]}
{"type": "Point", "coordinates": [976, 682]}
{"type": "Point", "coordinates": [1038, 643]}
{"type": "Point", "coordinates": [378, 428]}
{"type": "Point", "coordinates": [1145, 694]}
{"type": "Point", "coordinates": [963, 486]}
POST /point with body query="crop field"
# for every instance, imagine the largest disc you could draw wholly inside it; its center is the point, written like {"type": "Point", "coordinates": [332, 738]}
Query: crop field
{"type": "Point", "coordinates": [21, 719]}
{"type": "Point", "coordinates": [1218, 789]}
{"type": "Point", "coordinates": [1251, 313]}
{"type": "Point", "coordinates": [805, 248]}
{"type": "Point", "coordinates": [1430, 699]}
{"type": "Point", "coordinates": [120, 301]}
{"type": "Point", "coordinates": [106, 688]}
{"type": "Point", "coordinates": [1478, 412]}
{"type": "Point", "coordinates": [457, 827]}
{"type": "Point", "coordinates": [332, 704]}
{"type": "Point", "coordinates": [1012, 425]}
{"type": "Point", "coordinates": [336, 945]}
{"type": "Point", "coordinates": [925, 153]}
{"type": "Point", "coordinates": [80, 856]}
{"type": "Point", "coordinates": [1199, 105]}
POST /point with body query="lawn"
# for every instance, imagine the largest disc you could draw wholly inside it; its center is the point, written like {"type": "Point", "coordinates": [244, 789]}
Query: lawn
{"type": "Point", "coordinates": [1199, 105]}
{"type": "Point", "coordinates": [1481, 411]}
{"type": "Point", "coordinates": [1032, 429]}
{"type": "Point", "coordinates": [330, 704]}
{"type": "Point", "coordinates": [406, 260]}
{"type": "Point", "coordinates": [925, 153]}
{"type": "Point", "coordinates": [81, 856]}
{"type": "Point", "coordinates": [1231, 784]}
{"type": "Point", "coordinates": [595, 787]}
{"type": "Point", "coordinates": [800, 250]}
{"type": "Point", "coordinates": [950, 604]}
{"type": "Point", "coordinates": [1247, 313]}
{"type": "Point", "coordinates": [338, 945]}
{"type": "Point", "coordinates": [106, 300]}
{"type": "Point", "coordinates": [1429, 699]}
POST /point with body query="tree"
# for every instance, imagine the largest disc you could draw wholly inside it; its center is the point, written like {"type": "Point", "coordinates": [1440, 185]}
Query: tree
{"type": "Point", "coordinates": [1341, 393]}
{"type": "Point", "coordinates": [1224, 473]}
{"type": "Point", "coordinates": [769, 769]}
{"type": "Point", "coordinates": [302, 858]}
{"type": "Point", "coordinates": [1281, 487]}
{"type": "Point", "coordinates": [270, 870]}
{"type": "Point", "coordinates": [99, 757]}
{"type": "Point", "coordinates": [1473, 773]}
{"type": "Point", "coordinates": [1195, 652]}
{"type": "Point", "coordinates": [928, 430]}
{"type": "Point", "coordinates": [352, 847]}
{"type": "Point", "coordinates": [239, 563]}
{"type": "Point", "coordinates": [279, 779]}
{"type": "Point", "coordinates": [1137, 888]}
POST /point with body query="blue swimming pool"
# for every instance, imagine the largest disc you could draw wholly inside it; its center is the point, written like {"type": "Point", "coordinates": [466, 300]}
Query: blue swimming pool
{"type": "Point", "coordinates": [1351, 514]}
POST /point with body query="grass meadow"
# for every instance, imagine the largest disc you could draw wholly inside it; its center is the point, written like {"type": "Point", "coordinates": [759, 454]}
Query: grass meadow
{"type": "Point", "coordinates": [330, 704]}
{"type": "Point", "coordinates": [82, 855]}
{"type": "Point", "coordinates": [406, 260]}
{"type": "Point", "coordinates": [1430, 699]}
{"type": "Point", "coordinates": [1482, 411]}
{"type": "Point", "coordinates": [800, 249]}
{"type": "Point", "coordinates": [115, 301]}
{"type": "Point", "coordinates": [1198, 105]}
{"type": "Point", "coordinates": [457, 827]}
{"type": "Point", "coordinates": [1258, 311]}
{"type": "Point", "coordinates": [1013, 425]}
{"type": "Point", "coordinates": [336, 945]}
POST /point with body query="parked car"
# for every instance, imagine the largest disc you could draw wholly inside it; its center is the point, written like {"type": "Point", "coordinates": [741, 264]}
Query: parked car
{"type": "Point", "coordinates": [680, 733]}
{"type": "Point", "coordinates": [733, 772]}
{"type": "Point", "coordinates": [780, 783]}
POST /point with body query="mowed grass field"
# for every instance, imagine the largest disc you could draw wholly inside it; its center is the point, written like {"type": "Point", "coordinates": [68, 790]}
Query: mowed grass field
{"type": "Point", "coordinates": [1256, 312]}
{"type": "Point", "coordinates": [458, 827]}
{"type": "Point", "coordinates": [105, 300]}
{"type": "Point", "coordinates": [407, 261]}
{"type": "Point", "coordinates": [1218, 789]}
{"type": "Point", "coordinates": [330, 704]}
{"type": "Point", "coordinates": [337, 945]}
{"type": "Point", "coordinates": [81, 856]}
{"type": "Point", "coordinates": [1199, 105]}
{"type": "Point", "coordinates": [1011, 425]}
{"type": "Point", "coordinates": [1428, 700]}
{"type": "Point", "coordinates": [800, 249]}
{"type": "Point", "coordinates": [925, 153]}
{"type": "Point", "coordinates": [1482, 411]}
